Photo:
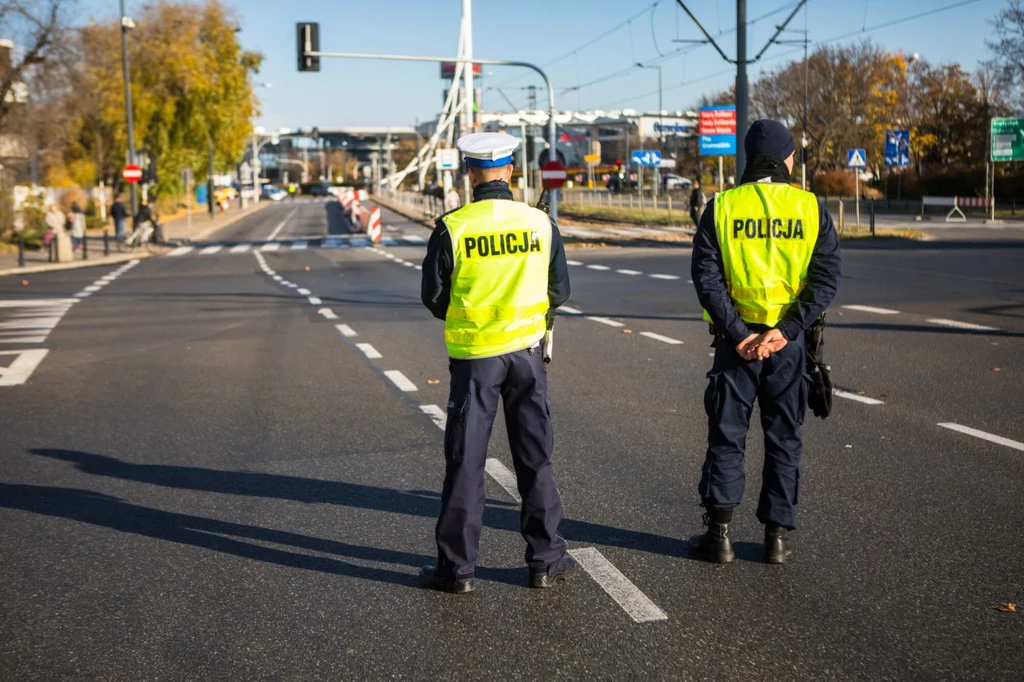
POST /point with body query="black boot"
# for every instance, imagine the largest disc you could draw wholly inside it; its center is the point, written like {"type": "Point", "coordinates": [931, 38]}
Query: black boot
{"type": "Point", "coordinates": [777, 545]}
{"type": "Point", "coordinates": [454, 584]}
{"type": "Point", "coordinates": [542, 578]}
{"type": "Point", "coordinates": [714, 545]}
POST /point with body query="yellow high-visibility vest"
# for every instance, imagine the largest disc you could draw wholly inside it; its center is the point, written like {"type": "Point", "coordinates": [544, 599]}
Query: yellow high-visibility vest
{"type": "Point", "coordinates": [499, 288]}
{"type": "Point", "coordinates": [766, 233]}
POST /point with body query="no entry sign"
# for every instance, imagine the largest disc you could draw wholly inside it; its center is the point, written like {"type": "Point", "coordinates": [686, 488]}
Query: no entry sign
{"type": "Point", "coordinates": [552, 174]}
{"type": "Point", "coordinates": [132, 173]}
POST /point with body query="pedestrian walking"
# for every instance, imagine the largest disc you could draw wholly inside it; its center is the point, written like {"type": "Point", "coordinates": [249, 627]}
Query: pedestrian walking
{"type": "Point", "coordinates": [765, 265]}
{"type": "Point", "coordinates": [119, 213]}
{"type": "Point", "coordinates": [54, 224]}
{"type": "Point", "coordinates": [451, 200]}
{"type": "Point", "coordinates": [76, 225]}
{"type": "Point", "coordinates": [697, 202]}
{"type": "Point", "coordinates": [494, 270]}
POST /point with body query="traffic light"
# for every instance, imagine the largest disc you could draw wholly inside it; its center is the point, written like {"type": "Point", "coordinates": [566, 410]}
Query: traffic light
{"type": "Point", "coordinates": [307, 37]}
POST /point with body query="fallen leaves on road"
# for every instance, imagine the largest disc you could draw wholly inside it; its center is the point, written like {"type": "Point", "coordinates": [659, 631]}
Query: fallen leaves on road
{"type": "Point", "coordinates": [24, 282]}
{"type": "Point", "coordinates": [848, 446]}
{"type": "Point", "coordinates": [995, 369]}
{"type": "Point", "coordinates": [1008, 607]}
{"type": "Point", "coordinates": [433, 381]}
{"type": "Point", "coordinates": [307, 268]}
{"type": "Point", "coordinates": [627, 331]}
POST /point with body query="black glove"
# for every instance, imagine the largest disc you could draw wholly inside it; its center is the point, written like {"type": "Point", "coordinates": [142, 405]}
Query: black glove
{"type": "Point", "coordinates": [819, 398]}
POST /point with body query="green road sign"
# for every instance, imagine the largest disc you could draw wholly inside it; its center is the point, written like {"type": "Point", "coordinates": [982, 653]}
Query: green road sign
{"type": "Point", "coordinates": [1008, 139]}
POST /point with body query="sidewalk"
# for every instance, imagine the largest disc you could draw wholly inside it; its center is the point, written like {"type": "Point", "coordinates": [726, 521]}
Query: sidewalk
{"type": "Point", "coordinates": [36, 261]}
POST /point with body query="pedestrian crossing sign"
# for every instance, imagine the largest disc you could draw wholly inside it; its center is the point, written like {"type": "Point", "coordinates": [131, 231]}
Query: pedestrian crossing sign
{"type": "Point", "coordinates": [856, 158]}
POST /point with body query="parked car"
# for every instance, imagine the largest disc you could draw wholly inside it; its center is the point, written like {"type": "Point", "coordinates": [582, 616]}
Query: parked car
{"type": "Point", "coordinates": [319, 190]}
{"type": "Point", "coordinates": [673, 181]}
{"type": "Point", "coordinates": [274, 193]}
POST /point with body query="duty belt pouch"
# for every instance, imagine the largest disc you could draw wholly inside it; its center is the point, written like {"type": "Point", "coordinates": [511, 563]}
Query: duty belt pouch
{"type": "Point", "coordinates": [819, 397]}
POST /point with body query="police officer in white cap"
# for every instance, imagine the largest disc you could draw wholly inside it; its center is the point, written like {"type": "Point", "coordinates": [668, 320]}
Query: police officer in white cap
{"type": "Point", "coordinates": [494, 269]}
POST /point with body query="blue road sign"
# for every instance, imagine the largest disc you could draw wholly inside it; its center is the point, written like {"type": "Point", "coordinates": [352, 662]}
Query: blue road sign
{"type": "Point", "coordinates": [856, 158]}
{"type": "Point", "coordinates": [897, 148]}
{"type": "Point", "coordinates": [648, 157]}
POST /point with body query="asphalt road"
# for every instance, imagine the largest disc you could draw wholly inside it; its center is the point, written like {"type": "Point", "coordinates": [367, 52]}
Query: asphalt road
{"type": "Point", "coordinates": [211, 475]}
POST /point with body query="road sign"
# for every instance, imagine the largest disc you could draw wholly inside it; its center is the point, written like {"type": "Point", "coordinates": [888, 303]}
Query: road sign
{"type": "Point", "coordinates": [646, 157]}
{"type": "Point", "coordinates": [1008, 139]}
{"type": "Point", "coordinates": [592, 158]}
{"type": "Point", "coordinates": [552, 174]}
{"type": "Point", "coordinates": [717, 131]}
{"type": "Point", "coordinates": [897, 148]}
{"type": "Point", "coordinates": [132, 173]}
{"type": "Point", "coordinates": [447, 159]}
{"type": "Point", "coordinates": [856, 158]}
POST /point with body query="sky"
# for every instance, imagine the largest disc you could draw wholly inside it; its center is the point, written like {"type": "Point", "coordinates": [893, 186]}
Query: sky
{"type": "Point", "coordinates": [587, 47]}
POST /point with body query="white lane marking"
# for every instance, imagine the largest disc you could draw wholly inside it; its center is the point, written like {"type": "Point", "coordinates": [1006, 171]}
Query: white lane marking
{"type": "Point", "coordinates": [369, 351]}
{"type": "Point", "coordinates": [570, 310]}
{"type": "Point", "coordinates": [109, 278]}
{"type": "Point", "coordinates": [872, 309]}
{"type": "Point", "coordinates": [328, 313]}
{"type": "Point", "coordinates": [620, 588]}
{"type": "Point", "coordinates": [408, 264]}
{"type": "Point", "coordinates": [304, 292]}
{"type": "Point", "coordinates": [180, 251]}
{"type": "Point", "coordinates": [315, 300]}
{"type": "Point", "coordinates": [689, 281]}
{"type": "Point", "coordinates": [573, 262]}
{"type": "Point", "coordinates": [269, 271]}
{"type": "Point", "coordinates": [21, 369]}
{"type": "Point", "coordinates": [31, 323]}
{"type": "Point", "coordinates": [599, 267]}
{"type": "Point", "coordinates": [991, 437]}
{"type": "Point", "coordinates": [83, 294]}
{"type": "Point", "coordinates": [345, 330]}
{"type": "Point", "coordinates": [400, 380]}
{"type": "Point", "coordinates": [285, 283]}
{"type": "Point", "coordinates": [663, 339]}
{"type": "Point", "coordinates": [290, 285]}
{"type": "Point", "coordinates": [299, 245]}
{"type": "Point", "coordinates": [37, 302]}
{"type": "Point", "coordinates": [605, 320]}
{"type": "Point", "coordinates": [629, 272]}
{"type": "Point", "coordinates": [414, 238]}
{"type": "Point", "coordinates": [664, 277]}
{"type": "Point", "coordinates": [277, 230]}
{"type": "Point", "coordinates": [436, 414]}
{"type": "Point", "coordinates": [240, 248]}
{"type": "Point", "coordinates": [23, 339]}
{"type": "Point", "coordinates": [505, 478]}
{"type": "Point", "coordinates": [419, 267]}
{"type": "Point", "coordinates": [859, 398]}
{"type": "Point", "coordinates": [210, 249]}
{"type": "Point", "coordinates": [956, 324]}
{"type": "Point", "coordinates": [390, 255]}
{"type": "Point", "coordinates": [270, 246]}
{"type": "Point", "coordinates": [93, 288]}
{"type": "Point", "coordinates": [278, 278]}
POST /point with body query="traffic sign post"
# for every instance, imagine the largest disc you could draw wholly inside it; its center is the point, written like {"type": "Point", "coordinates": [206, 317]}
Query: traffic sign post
{"type": "Point", "coordinates": [856, 159]}
{"type": "Point", "coordinates": [1007, 136]}
{"type": "Point", "coordinates": [897, 153]}
{"type": "Point", "coordinates": [590, 160]}
{"type": "Point", "coordinates": [132, 173]}
{"type": "Point", "coordinates": [553, 175]}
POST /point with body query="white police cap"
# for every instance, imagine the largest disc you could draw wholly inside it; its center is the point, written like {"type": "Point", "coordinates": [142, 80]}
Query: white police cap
{"type": "Point", "coordinates": [487, 150]}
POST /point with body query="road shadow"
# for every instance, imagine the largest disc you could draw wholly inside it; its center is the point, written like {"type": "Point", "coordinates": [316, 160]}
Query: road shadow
{"type": "Point", "coordinates": [312, 490]}
{"type": "Point", "coordinates": [926, 329]}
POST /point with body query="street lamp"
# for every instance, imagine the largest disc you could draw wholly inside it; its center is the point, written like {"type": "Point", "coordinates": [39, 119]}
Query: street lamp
{"type": "Point", "coordinates": [258, 130]}
{"type": "Point", "coordinates": [661, 126]}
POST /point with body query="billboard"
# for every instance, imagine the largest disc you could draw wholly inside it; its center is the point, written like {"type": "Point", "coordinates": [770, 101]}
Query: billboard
{"type": "Point", "coordinates": [1008, 139]}
{"type": "Point", "coordinates": [717, 129]}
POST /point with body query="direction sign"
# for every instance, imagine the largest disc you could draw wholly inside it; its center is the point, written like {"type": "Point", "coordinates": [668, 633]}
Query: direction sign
{"type": "Point", "coordinates": [717, 131]}
{"type": "Point", "coordinates": [856, 158]}
{"type": "Point", "coordinates": [897, 148]}
{"type": "Point", "coordinates": [1008, 139]}
{"type": "Point", "coordinates": [646, 157]}
{"type": "Point", "coordinates": [132, 173]}
{"type": "Point", "coordinates": [592, 158]}
{"type": "Point", "coordinates": [552, 174]}
{"type": "Point", "coordinates": [447, 159]}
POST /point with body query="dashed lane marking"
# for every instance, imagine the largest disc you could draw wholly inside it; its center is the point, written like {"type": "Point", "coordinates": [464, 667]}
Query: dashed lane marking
{"type": "Point", "coordinates": [21, 368]}
{"type": "Point", "coordinates": [240, 248]}
{"type": "Point", "coordinates": [505, 478]}
{"type": "Point", "coordinates": [303, 292]}
{"type": "Point", "coordinates": [278, 278]}
{"type": "Point", "coordinates": [315, 300]}
{"type": "Point", "coordinates": [299, 245]}
{"type": "Point", "coordinates": [599, 267]}
{"type": "Point", "coordinates": [573, 262]}
{"type": "Point", "coordinates": [270, 246]}
{"type": "Point", "coordinates": [629, 272]}
{"type": "Point", "coordinates": [605, 320]}
{"type": "Point", "coordinates": [277, 230]}
{"type": "Point", "coordinates": [210, 249]}
{"type": "Point", "coordinates": [956, 324]}
{"type": "Point", "coordinates": [663, 339]}
{"type": "Point", "coordinates": [991, 437]}
{"type": "Point", "coordinates": [570, 310]}
{"type": "Point", "coordinates": [345, 330]}
{"type": "Point", "coordinates": [436, 414]}
{"type": "Point", "coordinates": [664, 277]}
{"type": "Point", "coordinates": [369, 351]}
{"type": "Point", "coordinates": [180, 251]}
{"type": "Point", "coordinates": [620, 588]}
{"type": "Point", "coordinates": [328, 313]}
{"type": "Point", "coordinates": [400, 380]}
{"type": "Point", "coordinates": [859, 398]}
{"type": "Point", "coordinates": [872, 309]}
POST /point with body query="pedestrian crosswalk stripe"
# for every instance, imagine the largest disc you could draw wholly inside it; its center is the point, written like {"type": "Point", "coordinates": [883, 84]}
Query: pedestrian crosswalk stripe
{"type": "Point", "coordinates": [347, 241]}
{"type": "Point", "coordinates": [240, 248]}
{"type": "Point", "coordinates": [213, 248]}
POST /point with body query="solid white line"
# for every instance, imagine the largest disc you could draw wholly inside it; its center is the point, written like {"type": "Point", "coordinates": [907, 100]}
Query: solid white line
{"type": "Point", "coordinates": [629, 272]}
{"type": "Point", "coordinates": [315, 300]}
{"type": "Point", "coordinates": [328, 313]}
{"type": "Point", "coordinates": [23, 339]}
{"type": "Point", "coordinates": [505, 478]}
{"type": "Point", "coordinates": [663, 339]}
{"type": "Point", "coordinates": [180, 251]}
{"type": "Point", "coordinates": [605, 320]}
{"type": "Point", "coordinates": [240, 248]}
{"type": "Point", "coordinates": [369, 351]}
{"type": "Point", "coordinates": [436, 414]}
{"type": "Point", "coordinates": [37, 302]}
{"type": "Point", "coordinates": [21, 369]}
{"type": "Point", "coordinates": [962, 325]}
{"type": "Point", "coordinates": [599, 267]}
{"type": "Point", "coordinates": [859, 398]}
{"type": "Point", "coordinates": [277, 230]}
{"type": "Point", "coordinates": [400, 380]}
{"type": "Point", "coordinates": [270, 246]}
{"type": "Point", "coordinates": [304, 292]}
{"type": "Point", "coordinates": [210, 249]}
{"type": "Point", "coordinates": [570, 310]}
{"type": "Point", "coordinates": [664, 277]}
{"type": "Point", "coordinates": [620, 588]}
{"type": "Point", "coordinates": [299, 245]}
{"type": "Point", "coordinates": [872, 309]}
{"type": "Point", "coordinates": [1016, 445]}
{"type": "Point", "coordinates": [573, 262]}
{"type": "Point", "coordinates": [345, 330]}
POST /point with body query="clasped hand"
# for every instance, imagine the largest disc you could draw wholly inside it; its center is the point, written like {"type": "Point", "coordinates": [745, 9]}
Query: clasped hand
{"type": "Point", "coordinates": [760, 346]}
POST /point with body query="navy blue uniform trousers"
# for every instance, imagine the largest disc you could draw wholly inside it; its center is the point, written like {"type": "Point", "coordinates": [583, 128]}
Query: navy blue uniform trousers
{"type": "Point", "coordinates": [520, 379]}
{"type": "Point", "coordinates": [780, 386]}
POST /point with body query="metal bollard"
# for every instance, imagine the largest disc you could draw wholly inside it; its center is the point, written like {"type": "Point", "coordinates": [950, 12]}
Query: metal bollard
{"type": "Point", "coordinates": [842, 217]}
{"type": "Point", "coordinates": [21, 249]}
{"type": "Point", "coordinates": [106, 242]}
{"type": "Point", "coordinates": [52, 248]}
{"type": "Point", "coordinates": [872, 217]}
{"type": "Point", "coordinates": [85, 246]}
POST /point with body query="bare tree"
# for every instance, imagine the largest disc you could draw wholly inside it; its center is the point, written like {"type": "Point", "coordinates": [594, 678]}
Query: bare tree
{"type": "Point", "coordinates": [37, 27]}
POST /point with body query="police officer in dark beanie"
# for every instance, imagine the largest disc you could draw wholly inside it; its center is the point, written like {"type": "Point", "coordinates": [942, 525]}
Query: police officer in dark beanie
{"type": "Point", "coordinates": [494, 270]}
{"type": "Point", "coordinates": [765, 265]}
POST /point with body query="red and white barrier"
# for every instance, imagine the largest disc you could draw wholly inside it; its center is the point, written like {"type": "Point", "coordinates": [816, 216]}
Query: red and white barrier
{"type": "Point", "coordinates": [973, 202]}
{"type": "Point", "coordinates": [372, 225]}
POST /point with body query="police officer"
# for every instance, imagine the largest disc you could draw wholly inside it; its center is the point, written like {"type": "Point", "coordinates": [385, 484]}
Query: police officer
{"type": "Point", "coordinates": [765, 266]}
{"type": "Point", "coordinates": [493, 270]}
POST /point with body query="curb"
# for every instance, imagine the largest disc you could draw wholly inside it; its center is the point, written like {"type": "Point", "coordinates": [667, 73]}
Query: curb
{"type": "Point", "coordinates": [107, 260]}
